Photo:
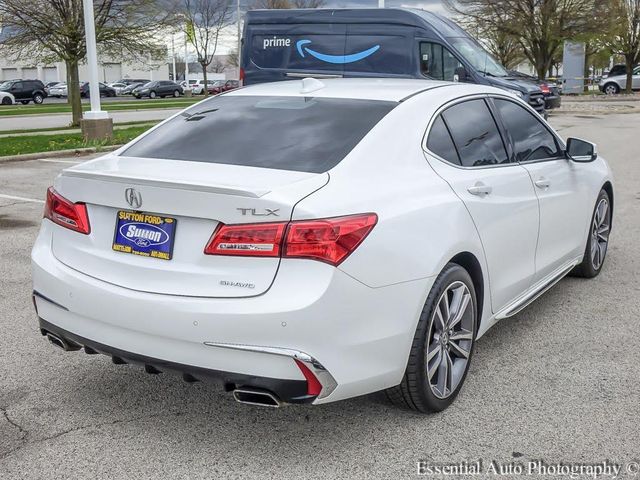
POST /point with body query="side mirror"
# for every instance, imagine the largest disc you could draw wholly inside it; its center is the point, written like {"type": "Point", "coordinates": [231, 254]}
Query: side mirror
{"type": "Point", "coordinates": [581, 150]}
{"type": "Point", "coordinates": [460, 75]}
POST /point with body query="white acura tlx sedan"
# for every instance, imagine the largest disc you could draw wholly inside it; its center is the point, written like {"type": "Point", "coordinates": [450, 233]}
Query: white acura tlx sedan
{"type": "Point", "coordinates": [310, 241]}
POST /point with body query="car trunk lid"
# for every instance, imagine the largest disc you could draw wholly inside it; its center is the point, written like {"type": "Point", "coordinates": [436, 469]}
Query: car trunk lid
{"type": "Point", "coordinates": [199, 197]}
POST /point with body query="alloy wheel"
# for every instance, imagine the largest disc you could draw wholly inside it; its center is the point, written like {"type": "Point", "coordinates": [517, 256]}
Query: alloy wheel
{"type": "Point", "coordinates": [450, 339]}
{"type": "Point", "coordinates": [600, 233]}
{"type": "Point", "coordinates": [610, 90]}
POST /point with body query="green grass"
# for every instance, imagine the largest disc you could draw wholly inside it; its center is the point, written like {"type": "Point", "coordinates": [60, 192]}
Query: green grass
{"type": "Point", "coordinates": [64, 141]}
{"type": "Point", "coordinates": [147, 124]}
{"type": "Point", "coordinates": [108, 106]}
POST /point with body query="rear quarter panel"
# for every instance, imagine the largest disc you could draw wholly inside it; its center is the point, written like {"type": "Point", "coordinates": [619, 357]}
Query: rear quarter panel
{"type": "Point", "coordinates": [421, 225]}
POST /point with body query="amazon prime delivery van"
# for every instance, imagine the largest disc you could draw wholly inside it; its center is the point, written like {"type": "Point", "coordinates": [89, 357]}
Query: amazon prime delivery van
{"type": "Point", "coordinates": [388, 42]}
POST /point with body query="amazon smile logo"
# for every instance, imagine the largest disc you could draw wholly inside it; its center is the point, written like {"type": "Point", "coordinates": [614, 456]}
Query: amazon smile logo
{"type": "Point", "coordinates": [302, 47]}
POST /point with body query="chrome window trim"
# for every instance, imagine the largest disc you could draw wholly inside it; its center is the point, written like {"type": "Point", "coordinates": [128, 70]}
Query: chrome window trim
{"type": "Point", "coordinates": [447, 105]}
{"type": "Point", "coordinates": [475, 96]}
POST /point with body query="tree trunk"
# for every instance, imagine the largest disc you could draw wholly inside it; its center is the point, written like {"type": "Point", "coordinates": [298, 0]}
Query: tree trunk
{"type": "Point", "coordinates": [73, 92]}
{"type": "Point", "coordinates": [204, 77]}
{"type": "Point", "coordinates": [586, 73]}
{"type": "Point", "coordinates": [629, 62]}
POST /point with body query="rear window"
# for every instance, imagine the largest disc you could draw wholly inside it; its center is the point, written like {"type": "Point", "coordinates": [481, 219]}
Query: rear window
{"type": "Point", "coordinates": [304, 134]}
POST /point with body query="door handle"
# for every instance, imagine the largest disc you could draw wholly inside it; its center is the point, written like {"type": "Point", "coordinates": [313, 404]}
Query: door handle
{"type": "Point", "coordinates": [542, 183]}
{"type": "Point", "coordinates": [480, 189]}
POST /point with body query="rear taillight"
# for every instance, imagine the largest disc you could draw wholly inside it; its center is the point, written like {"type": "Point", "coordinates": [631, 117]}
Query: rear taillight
{"type": "Point", "coordinates": [329, 240]}
{"type": "Point", "coordinates": [253, 240]}
{"type": "Point", "coordinates": [545, 88]}
{"type": "Point", "coordinates": [66, 213]}
{"type": "Point", "coordinates": [241, 77]}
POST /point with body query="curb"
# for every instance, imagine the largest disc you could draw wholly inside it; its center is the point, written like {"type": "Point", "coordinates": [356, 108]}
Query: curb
{"type": "Point", "coordinates": [58, 153]}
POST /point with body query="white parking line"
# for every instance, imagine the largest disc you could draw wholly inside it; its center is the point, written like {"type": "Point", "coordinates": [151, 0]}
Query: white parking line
{"type": "Point", "coordinates": [23, 199]}
{"type": "Point", "coordinates": [58, 161]}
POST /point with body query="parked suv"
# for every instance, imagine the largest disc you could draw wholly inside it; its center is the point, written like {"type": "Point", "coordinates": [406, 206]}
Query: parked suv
{"type": "Point", "coordinates": [614, 84]}
{"type": "Point", "coordinates": [25, 91]}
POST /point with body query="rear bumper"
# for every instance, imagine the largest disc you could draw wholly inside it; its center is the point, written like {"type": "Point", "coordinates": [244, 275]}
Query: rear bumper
{"type": "Point", "coordinates": [287, 391]}
{"type": "Point", "coordinates": [360, 335]}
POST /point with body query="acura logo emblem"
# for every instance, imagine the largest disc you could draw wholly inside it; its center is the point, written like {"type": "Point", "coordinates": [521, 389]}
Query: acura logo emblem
{"type": "Point", "coordinates": [133, 197]}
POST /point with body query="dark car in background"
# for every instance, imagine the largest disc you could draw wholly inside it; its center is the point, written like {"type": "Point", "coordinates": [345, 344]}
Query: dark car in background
{"type": "Point", "coordinates": [105, 90]}
{"type": "Point", "coordinates": [25, 91]}
{"type": "Point", "coordinates": [128, 90]}
{"type": "Point", "coordinates": [550, 90]}
{"type": "Point", "coordinates": [158, 88]}
{"type": "Point", "coordinates": [223, 86]}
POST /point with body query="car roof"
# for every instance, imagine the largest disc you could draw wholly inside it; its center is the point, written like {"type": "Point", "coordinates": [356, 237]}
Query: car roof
{"type": "Point", "coordinates": [388, 89]}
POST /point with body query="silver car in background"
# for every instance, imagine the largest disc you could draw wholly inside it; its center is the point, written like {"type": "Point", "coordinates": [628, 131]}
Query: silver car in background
{"type": "Point", "coordinates": [617, 83]}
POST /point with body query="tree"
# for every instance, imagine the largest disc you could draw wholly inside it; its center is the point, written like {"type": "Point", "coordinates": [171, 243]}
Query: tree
{"type": "Point", "coordinates": [286, 4]}
{"type": "Point", "coordinates": [52, 30]}
{"type": "Point", "coordinates": [504, 46]}
{"type": "Point", "coordinates": [626, 37]}
{"type": "Point", "coordinates": [540, 26]}
{"type": "Point", "coordinates": [205, 20]}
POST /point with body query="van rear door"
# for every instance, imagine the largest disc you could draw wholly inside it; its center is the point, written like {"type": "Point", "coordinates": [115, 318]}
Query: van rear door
{"type": "Point", "coordinates": [280, 52]}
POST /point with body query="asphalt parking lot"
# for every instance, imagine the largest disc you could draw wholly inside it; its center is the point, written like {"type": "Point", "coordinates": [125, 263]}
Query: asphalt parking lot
{"type": "Point", "coordinates": [559, 382]}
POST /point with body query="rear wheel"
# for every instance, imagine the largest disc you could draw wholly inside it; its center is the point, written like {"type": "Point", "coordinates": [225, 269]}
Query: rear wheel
{"type": "Point", "coordinates": [24, 102]}
{"type": "Point", "coordinates": [442, 346]}
{"type": "Point", "coordinates": [611, 89]}
{"type": "Point", "coordinates": [598, 241]}
{"type": "Point", "coordinates": [6, 101]}
{"type": "Point", "coordinates": [176, 93]}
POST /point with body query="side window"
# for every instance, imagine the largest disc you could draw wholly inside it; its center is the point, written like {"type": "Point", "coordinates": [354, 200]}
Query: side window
{"type": "Point", "coordinates": [440, 142]}
{"type": "Point", "coordinates": [18, 85]}
{"type": "Point", "coordinates": [531, 140]}
{"type": "Point", "coordinates": [475, 134]}
{"type": "Point", "coordinates": [437, 62]}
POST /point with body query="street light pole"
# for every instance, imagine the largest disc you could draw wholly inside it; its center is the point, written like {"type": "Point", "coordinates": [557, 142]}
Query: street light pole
{"type": "Point", "coordinates": [173, 57]}
{"type": "Point", "coordinates": [96, 124]}
{"type": "Point", "coordinates": [239, 36]}
{"type": "Point", "coordinates": [92, 63]}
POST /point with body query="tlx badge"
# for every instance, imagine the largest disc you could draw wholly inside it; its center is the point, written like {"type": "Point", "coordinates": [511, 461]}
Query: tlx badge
{"type": "Point", "coordinates": [254, 212]}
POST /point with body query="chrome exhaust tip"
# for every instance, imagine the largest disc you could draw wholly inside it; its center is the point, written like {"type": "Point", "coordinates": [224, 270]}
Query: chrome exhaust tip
{"type": "Point", "coordinates": [260, 398]}
{"type": "Point", "coordinates": [58, 342]}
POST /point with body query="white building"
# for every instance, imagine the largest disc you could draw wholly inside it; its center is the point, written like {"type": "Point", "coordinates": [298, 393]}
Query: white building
{"type": "Point", "coordinates": [108, 71]}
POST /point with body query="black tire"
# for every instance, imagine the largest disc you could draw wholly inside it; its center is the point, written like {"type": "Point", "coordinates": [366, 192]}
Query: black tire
{"type": "Point", "coordinates": [611, 88]}
{"type": "Point", "coordinates": [6, 101]}
{"type": "Point", "coordinates": [25, 102]}
{"type": "Point", "coordinates": [587, 269]}
{"type": "Point", "coordinates": [415, 390]}
{"type": "Point", "coordinates": [176, 93]}
{"type": "Point", "coordinates": [152, 94]}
